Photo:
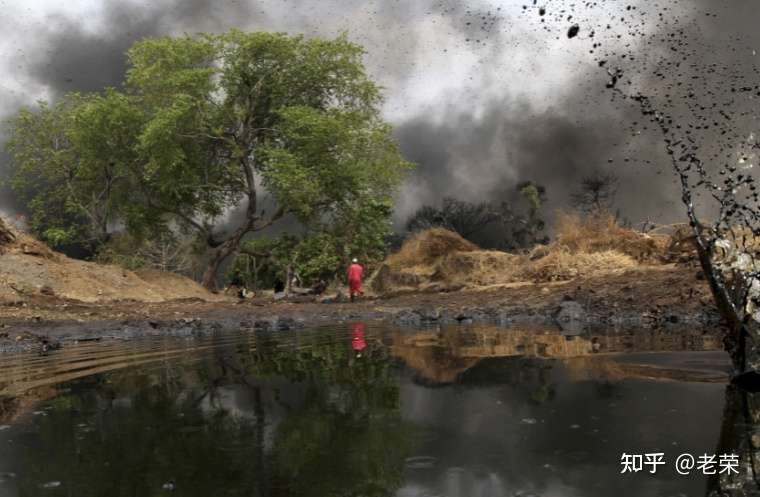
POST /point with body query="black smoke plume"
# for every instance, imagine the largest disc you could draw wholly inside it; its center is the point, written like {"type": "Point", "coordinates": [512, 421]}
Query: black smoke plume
{"type": "Point", "coordinates": [487, 132]}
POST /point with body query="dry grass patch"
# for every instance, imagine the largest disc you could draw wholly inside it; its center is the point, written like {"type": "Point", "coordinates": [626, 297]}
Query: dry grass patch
{"type": "Point", "coordinates": [602, 233]}
{"type": "Point", "coordinates": [438, 259]}
{"type": "Point", "coordinates": [561, 264]}
{"type": "Point", "coordinates": [481, 268]}
{"type": "Point", "coordinates": [428, 246]}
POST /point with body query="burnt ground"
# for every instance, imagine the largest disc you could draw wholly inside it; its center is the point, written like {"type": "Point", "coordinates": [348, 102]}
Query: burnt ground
{"type": "Point", "coordinates": [643, 297]}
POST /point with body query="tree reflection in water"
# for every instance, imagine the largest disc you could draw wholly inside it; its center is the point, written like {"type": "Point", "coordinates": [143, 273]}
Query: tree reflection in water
{"type": "Point", "coordinates": [319, 413]}
{"type": "Point", "coordinates": [740, 435]}
{"type": "Point", "coordinates": [311, 420]}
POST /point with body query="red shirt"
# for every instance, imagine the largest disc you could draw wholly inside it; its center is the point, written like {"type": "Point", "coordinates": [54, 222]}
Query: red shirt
{"type": "Point", "coordinates": [355, 272]}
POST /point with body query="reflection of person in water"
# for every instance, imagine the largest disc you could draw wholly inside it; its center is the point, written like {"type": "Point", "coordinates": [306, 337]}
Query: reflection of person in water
{"type": "Point", "coordinates": [358, 342]}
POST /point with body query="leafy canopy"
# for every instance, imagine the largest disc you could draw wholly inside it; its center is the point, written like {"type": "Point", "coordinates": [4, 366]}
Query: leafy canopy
{"type": "Point", "coordinates": [272, 125]}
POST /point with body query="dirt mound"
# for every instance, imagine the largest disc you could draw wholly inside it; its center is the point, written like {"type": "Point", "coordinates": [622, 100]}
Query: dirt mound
{"type": "Point", "coordinates": [29, 267]}
{"type": "Point", "coordinates": [429, 245]}
{"type": "Point", "coordinates": [434, 259]}
{"type": "Point", "coordinates": [14, 241]}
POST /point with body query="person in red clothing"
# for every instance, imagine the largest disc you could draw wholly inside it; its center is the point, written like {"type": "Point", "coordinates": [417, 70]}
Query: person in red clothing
{"type": "Point", "coordinates": [355, 272]}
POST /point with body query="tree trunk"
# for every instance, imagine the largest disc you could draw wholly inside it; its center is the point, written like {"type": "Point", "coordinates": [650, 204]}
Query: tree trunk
{"type": "Point", "coordinates": [288, 279]}
{"type": "Point", "coordinates": [230, 246]}
{"type": "Point", "coordinates": [255, 273]}
{"type": "Point", "coordinates": [221, 253]}
{"type": "Point", "coordinates": [742, 341]}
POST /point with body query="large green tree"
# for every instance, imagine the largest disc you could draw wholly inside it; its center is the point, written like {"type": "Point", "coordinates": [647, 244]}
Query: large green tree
{"type": "Point", "coordinates": [271, 125]}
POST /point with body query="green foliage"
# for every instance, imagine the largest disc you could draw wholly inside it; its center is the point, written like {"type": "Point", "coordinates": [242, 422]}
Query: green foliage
{"type": "Point", "coordinates": [330, 159]}
{"type": "Point", "coordinates": [70, 162]}
{"type": "Point", "coordinates": [207, 123]}
{"type": "Point", "coordinates": [256, 266]}
{"type": "Point", "coordinates": [357, 230]}
{"type": "Point", "coordinates": [527, 228]}
{"type": "Point", "coordinates": [315, 257]}
{"type": "Point", "coordinates": [533, 194]}
{"type": "Point", "coordinates": [44, 174]}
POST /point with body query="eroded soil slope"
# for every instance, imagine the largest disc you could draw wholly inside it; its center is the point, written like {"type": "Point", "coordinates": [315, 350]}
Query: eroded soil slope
{"type": "Point", "coordinates": [28, 268]}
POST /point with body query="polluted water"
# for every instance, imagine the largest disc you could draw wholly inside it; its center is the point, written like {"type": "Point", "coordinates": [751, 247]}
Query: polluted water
{"type": "Point", "coordinates": [446, 411]}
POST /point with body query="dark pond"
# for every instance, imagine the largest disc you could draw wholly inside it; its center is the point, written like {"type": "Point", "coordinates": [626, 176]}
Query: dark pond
{"type": "Point", "coordinates": [365, 411]}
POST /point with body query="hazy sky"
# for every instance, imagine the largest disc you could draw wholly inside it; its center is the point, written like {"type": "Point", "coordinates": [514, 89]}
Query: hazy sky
{"type": "Point", "coordinates": [481, 98]}
{"type": "Point", "coordinates": [416, 48]}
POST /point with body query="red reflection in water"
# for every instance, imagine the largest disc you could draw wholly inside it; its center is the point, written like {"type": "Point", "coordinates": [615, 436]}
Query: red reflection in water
{"type": "Point", "coordinates": [358, 343]}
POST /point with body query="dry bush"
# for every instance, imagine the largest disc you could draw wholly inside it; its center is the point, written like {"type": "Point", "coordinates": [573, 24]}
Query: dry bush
{"type": "Point", "coordinates": [481, 268]}
{"type": "Point", "coordinates": [681, 243]}
{"type": "Point", "coordinates": [601, 233]}
{"type": "Point", "coordinates": [562, 264]}
{"type": "Point", "coordinates": [425, 261]}
{"type": "Point", "coordinates": [591, 244]}
{"type": "Point", "coordinates": [427, 246]}
{"type": "Point", "coordinates": [163, 252]}
{"type": "Point", "coordinates": [440, 259]}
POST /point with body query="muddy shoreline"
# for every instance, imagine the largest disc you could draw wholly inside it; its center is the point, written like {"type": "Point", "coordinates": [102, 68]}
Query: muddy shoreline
{"type": "Point", "coordinates": [660, 298]}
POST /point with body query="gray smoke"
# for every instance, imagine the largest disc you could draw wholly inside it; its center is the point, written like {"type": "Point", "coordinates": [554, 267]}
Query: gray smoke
{"type": "Point", "coordinates": [483, 96]}
{"type": "Point", "coordinates": [72, 58]}
{"type": "Point", "coordinates": [485, 157]}
{"type": "Point", "coordinates": [62, 55]}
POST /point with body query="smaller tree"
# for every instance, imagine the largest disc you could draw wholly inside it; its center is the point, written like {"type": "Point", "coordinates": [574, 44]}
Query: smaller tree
{"type": "Point", "coordinates": [596, 192]}
{"type": "Point", "coordinates": [163, 251]}
{"type": "Point", "coordinates": [524, 228]}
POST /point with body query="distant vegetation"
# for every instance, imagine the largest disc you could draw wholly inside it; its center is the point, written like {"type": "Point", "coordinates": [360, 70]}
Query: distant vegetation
{"type": "Point", "coordinates": [502, 226]}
